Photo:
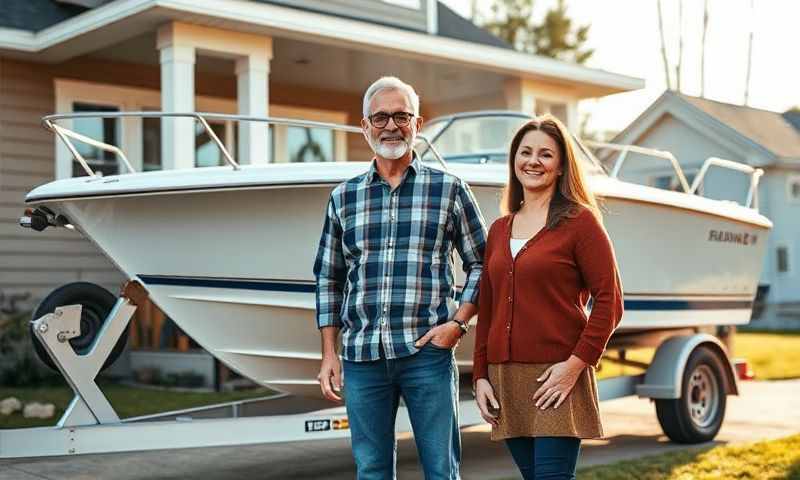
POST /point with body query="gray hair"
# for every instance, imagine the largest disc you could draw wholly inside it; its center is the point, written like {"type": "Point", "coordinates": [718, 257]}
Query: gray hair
{"type": "Point", "coordinates": [391, 83]}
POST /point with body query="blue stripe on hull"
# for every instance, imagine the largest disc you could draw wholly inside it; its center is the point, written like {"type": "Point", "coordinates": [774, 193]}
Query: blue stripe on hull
{"type": "Point", "coordinates": [275, 286]}
{"type": "Point", "coordinates": [242, 284]}
{"type": "Point", "coordinates": [687, 305]}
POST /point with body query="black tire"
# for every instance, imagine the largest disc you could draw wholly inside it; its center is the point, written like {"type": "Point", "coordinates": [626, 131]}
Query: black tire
{"type": "Point", "coordinates": [697, 416]}
{"type": "Point", "coordinates": [97, 303]}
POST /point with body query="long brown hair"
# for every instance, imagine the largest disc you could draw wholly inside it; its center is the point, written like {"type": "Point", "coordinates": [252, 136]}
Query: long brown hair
{"type": "Point", "coordinates": [572, 193]}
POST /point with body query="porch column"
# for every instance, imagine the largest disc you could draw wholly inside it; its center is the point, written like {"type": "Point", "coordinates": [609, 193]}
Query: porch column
{"type": "Point", "coordinates": [252, 85]}
{"type": "Point", "coordinates": [177, 95]}
{"type": "Point", "coordinates": [519, 96]}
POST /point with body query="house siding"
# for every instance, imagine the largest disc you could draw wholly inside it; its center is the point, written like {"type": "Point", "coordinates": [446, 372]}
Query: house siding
{"type": "Point", "coordinates": [32, 262]}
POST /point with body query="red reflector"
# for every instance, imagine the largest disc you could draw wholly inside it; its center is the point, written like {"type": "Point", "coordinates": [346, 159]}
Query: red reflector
{"type": "Point", "coordinates": [743, 369]}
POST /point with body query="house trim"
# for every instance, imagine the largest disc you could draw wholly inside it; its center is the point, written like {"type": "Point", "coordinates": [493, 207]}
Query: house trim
{"type": "Point", "coordinates": [273, 19]}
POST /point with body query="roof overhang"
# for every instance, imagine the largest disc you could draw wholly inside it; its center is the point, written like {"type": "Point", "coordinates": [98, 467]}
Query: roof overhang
{"type": "Point", "coordinates": [121, 20]}
{"type": "Point", "coordinates": [672, 104]}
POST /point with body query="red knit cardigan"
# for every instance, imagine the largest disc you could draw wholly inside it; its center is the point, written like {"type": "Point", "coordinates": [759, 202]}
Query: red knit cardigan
{"type": "Point", "coordinates": [531, 307]}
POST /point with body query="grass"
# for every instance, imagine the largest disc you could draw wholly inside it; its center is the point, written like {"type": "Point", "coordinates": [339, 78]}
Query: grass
{"type": "Point", "coordinates": [127, 401]}
{"type": "Point", "coordinates": [763, 460]}
{"type": "Point", "coordinates": [772, 356]}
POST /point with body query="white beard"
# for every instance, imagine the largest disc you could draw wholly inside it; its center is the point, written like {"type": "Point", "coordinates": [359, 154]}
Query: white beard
{"type": "Point", "coordinates": [385, 151]}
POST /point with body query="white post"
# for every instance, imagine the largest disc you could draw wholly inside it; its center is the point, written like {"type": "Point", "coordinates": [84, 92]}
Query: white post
{"type": "Point", "coordinates": [177, 95]}
{"type": "Point", "coordinates": [519, 96]}
{"type": "Point", "coordinates": [252, 84]}
{"type": "Point", "coordinates": [573, 123]}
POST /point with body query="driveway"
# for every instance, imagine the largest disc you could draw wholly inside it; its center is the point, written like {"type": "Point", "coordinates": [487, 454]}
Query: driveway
{"type": "Point", "coordinates": [765, 410]}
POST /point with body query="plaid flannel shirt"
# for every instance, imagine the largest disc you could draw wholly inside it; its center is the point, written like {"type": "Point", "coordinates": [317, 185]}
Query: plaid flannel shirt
{"type": "Point", "coordinates": [384, 266]}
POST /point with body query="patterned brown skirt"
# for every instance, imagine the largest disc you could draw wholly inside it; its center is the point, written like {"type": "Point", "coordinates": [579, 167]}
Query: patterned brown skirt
{"type": "Point", "coordinates": [514, 385]}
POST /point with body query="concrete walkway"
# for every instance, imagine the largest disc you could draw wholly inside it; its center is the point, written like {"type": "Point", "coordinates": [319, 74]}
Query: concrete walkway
{"type": "Point", "coordinates": [765, 410]}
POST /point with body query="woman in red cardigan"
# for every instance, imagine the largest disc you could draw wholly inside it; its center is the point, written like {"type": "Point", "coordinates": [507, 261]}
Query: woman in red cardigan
{"type": "Point", "coordinates": [536, 347]}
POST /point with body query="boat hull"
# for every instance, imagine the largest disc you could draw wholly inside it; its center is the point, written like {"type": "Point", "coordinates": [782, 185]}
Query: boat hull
{"type": "Point", "coordinates": [233, 267]}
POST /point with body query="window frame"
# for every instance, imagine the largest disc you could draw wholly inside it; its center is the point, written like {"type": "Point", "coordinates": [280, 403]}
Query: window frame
{"type": "Point", "coordinates": [788, 250]}
{"type": "Point", "coordinates": [792, 179]}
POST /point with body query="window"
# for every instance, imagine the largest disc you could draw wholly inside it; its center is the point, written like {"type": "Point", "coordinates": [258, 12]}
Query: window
{"type": "Point", "coordinates": [208, 154]}
{"type": "Point", "coordinates": [793, 188]}
{"type": "Point", "coordinates": [105, 130]}
{"type": "Point", "coordinates": [782, 256]}
{"type": "Point", "coordinates": [309, 144]}
{"type": "Point", "coordinates": [664, 182]}
{"type": "Point", "coordinates": [556, 109]}
{"type": "Point", "coordinates": [151, 143]}
{"type": "Point", "coordinates": [671, 182]}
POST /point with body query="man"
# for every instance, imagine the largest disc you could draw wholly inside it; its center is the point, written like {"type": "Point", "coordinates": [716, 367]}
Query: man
{"type": "Point", "coordinates": [385, 280]}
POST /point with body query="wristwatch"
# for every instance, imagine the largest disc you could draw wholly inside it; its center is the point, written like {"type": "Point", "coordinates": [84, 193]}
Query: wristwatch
{"type": "Point", "coordinates": [463, 325]}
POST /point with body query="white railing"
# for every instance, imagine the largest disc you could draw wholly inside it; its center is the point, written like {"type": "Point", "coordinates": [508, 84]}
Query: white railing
{"type": "Point", "coordinates": [693, 189]}
{"type": "Point", "coordinates": [65, 135]}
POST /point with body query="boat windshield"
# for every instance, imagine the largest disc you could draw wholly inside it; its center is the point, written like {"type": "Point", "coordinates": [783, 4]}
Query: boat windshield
{"type": "Point", "coordinates": [480, 139]}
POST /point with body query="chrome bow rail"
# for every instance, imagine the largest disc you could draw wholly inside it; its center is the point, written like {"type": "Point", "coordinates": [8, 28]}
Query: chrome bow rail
{"type": "Point", "coordinates": [693, 189]}
{"type": "Point", "coordinates": [65, 134]}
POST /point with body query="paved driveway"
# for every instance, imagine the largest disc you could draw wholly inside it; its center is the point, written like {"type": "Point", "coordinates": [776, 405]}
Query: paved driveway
{"type": "Point", "coordinates": [764, 410]}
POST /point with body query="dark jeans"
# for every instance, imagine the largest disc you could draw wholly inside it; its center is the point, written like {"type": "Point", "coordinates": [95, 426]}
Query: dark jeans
{"type": "Point", "coordinates": [545, 458]}
{"type": "Point", "coordinates": [428, 383]}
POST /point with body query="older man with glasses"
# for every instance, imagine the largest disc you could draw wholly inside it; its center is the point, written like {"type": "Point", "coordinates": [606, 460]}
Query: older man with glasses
{"type": "Point", "coordinates": [385, 281]}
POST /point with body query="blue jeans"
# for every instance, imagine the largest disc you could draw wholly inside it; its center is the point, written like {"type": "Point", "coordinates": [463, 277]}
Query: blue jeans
{"type": "Point", "coordinates": [545, 458]}
{"type": "Point", "coordinates": [428, 383]}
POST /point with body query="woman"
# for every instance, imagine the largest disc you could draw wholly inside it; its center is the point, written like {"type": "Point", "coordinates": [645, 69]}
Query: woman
{"type": "Point", "coordinates": [535, 348]}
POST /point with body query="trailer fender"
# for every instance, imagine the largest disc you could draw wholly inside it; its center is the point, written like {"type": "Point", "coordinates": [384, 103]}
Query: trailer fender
{"type": "Point", "coordinates": [664, 376]}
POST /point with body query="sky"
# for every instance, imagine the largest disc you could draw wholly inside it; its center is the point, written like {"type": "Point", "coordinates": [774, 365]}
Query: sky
{"type": "Point", "coordinates": [625, 36]}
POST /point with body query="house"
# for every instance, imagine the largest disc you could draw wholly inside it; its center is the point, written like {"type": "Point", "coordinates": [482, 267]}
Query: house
{"type": "Point", "coordinates": [309, 59]}
{"type": "Point", "coordinates": [694, 129]}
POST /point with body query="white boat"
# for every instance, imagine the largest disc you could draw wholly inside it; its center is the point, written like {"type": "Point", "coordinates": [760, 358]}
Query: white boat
{"type": "Point", "coordinates": [227, 252]}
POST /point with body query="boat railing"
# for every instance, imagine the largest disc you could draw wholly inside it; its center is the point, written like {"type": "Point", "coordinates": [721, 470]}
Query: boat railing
{"type": "Point", "coordinates": [754, 173]}
{"type": "Point", "coordinates": [693, 189]}
{"type": "Point", "coordinates": [66, 135]}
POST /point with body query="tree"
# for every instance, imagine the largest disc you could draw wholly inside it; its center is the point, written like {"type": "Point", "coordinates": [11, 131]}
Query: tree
{"type": "Point", "coordinates": [556, 37]}
{"type": "Point", "coordinates": [679, 65]}
{"type": "Point", "coordinates": [749, 55]}
{"type": "Point", "coordinates": [663, 47]}
{"type": "Point", "coordinates": [703, 52]}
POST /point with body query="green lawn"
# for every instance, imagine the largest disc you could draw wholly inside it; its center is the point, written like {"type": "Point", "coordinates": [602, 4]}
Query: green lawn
{"type": "Point", "coordinates": [127, 401]}
{"type": "Point", "coordinates": [772, 356]}
{"type": "Point", "coordinates": [763, 460]}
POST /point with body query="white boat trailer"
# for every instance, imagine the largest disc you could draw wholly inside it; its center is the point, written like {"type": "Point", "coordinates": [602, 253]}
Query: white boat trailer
{"type": "Point", "coordinates": [90, 424]}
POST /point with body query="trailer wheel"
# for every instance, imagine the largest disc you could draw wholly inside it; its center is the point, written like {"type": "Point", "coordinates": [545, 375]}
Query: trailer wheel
{"type": "Point", "coordinates": [697, 415]}
{"type": "Point", "coordinates": [96, 303]}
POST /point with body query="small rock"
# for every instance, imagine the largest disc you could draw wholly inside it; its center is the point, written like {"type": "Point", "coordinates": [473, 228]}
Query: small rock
{"type": "Point", "coordinates": [39, 410]}
{"type": "Point", "coordinates": [10, 405]}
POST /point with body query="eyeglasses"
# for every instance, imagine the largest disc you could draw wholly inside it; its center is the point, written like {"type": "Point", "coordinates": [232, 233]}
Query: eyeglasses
{"type": "Point", "coordinates": [381, 119]}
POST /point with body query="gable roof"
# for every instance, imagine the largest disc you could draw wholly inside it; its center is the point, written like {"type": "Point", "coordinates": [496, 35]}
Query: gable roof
{"type": "Point", "coordinates": [769, 129]}
{"type": "Point", "coordinates": [771, 132]}
{"type": "Point", "coordinates": [36, 15]}
{"type": "Point", "coordinates": [453, 25]}
{"type": "Point", "coordinates": [793, 117]}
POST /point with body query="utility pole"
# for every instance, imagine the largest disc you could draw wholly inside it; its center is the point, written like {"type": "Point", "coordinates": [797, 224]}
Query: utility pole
{"type": "Point", "coordinates": [663, 47]}
{"type": "Point", "coordinates": [703, 53]}
{"type": "Point", "coordinates": [749, 53]}
{"type": "Point", "coordinates": [679, 65]}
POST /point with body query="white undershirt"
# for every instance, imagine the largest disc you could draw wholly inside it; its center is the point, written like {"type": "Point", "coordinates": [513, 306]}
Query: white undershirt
{"type": "Point", "coordinates": [516, 245]}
